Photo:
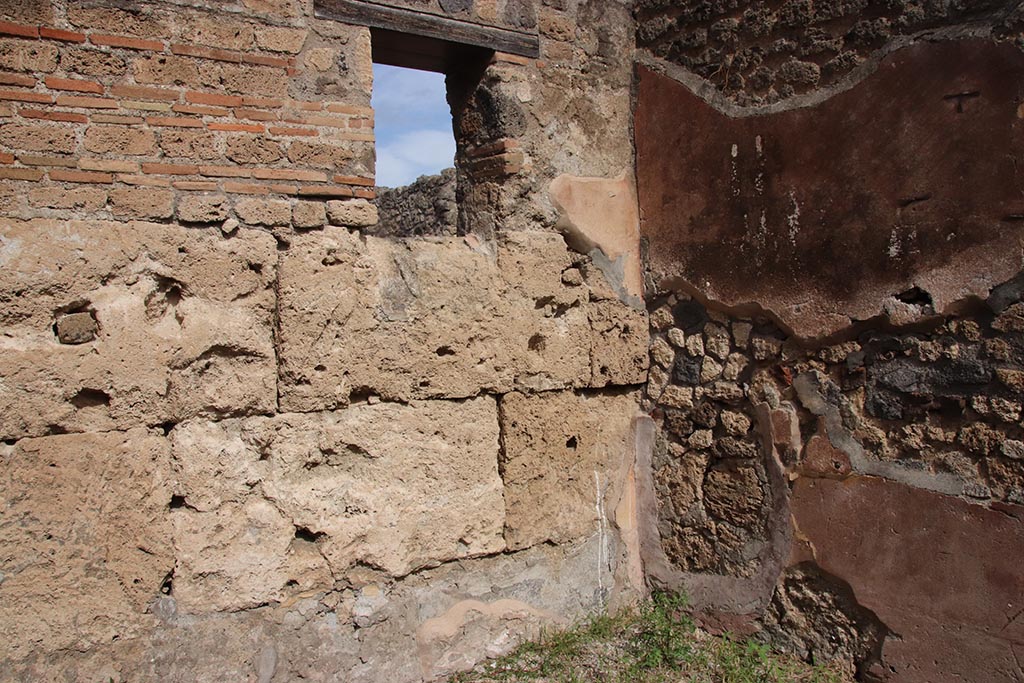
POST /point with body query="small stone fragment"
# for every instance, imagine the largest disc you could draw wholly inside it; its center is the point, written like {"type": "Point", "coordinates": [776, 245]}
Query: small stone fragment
{"type": "Point", "coordinates": [1005, 410]}
{"type": "Point", "coordinates": [657, 381]}
{"type": "Point", "coordinates": [229, 226]}
{"type": "Point", "coordinates": [662, 353]}
{"type": "Point", "coordinates": [700, 439]}
{"type": "Point", "coordinates": [1013, 449]}
{"type": "Point", "coordinates": [1010, 320]}
{"type": "Point", "coordinates": [716, 341]}
{"type": "Point", "coordinates": [202, 209]}
{"type": "Point", "coordinates": [710, 370]}
{"type": "Point", "coordinates": [735, 423]}
{"type": "Point", "coordinates": [734, 366]}
{"type": "Point", "coordinates": [695, 345]}
{"type": "Point", "coordinates": [686, 370]}
{"type": "Point", "coordinates": [352, 213]}
{"type": "Point", "coordinates": [741, 334]}
{"type": "Point", "coordinates": [572, 277]}
{"type": "Point", "coordinates": [706, 415]}
{"type": "Point", "coordinates": [978, 490]}
{"type": "Point", "coordinates": [309, 215]}
{"type": "Point", "coordinates": [661, 318]}
{"type": "Point", "coordinates": [1012, 379]}
{"type": "Point", "coordinates": [724, 391]}
{"type": "Point", "coordinates": [76, 328]}
{"type": "Point", "coordinates": [765, 348]}
{"type": "Point", "coordinates": [677, 397]}
{"type": "Point", "coordinates": [677, 337]}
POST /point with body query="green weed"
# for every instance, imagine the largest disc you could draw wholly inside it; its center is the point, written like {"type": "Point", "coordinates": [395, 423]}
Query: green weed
{"type": "Point", "coordinates": [655, 642]}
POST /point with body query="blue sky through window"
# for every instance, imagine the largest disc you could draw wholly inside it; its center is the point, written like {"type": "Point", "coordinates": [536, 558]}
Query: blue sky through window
{"type": "Point", "coordinates": [413, 124]}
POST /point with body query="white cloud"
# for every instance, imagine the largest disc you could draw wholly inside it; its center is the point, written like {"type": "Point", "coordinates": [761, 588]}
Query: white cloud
{"type": "Point", "coordinates": [413, 125]}
{"type": "Point", "coordinates": [410, 155]}
{"type": "Point", "coordinates": [405, 96]}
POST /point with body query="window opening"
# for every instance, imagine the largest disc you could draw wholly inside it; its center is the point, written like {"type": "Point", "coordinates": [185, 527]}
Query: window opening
{"type": "Point", "coordinates": [419, 89]}
{"type": "Point", "coordinates": [412, 124]}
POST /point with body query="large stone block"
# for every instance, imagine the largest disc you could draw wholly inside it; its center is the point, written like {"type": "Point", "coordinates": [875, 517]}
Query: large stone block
{"type": "Point", "coordinates": [183, 325]}
{"type": "Point", "coordinates": [437, 318]}
{"type": "Point", "coordinates": [272, 506]}
{"type": "Point", "coordinates": [84, 539]}
{"type": "Point", "coordinates": [420, 628]}
{"type": "Point", "coordinates": [563, 453]}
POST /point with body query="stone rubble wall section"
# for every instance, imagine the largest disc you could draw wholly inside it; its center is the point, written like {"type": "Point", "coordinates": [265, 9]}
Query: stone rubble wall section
{"type": "Point", "coordinates": [424, 207]}
{"type": "Point", "coordinates": [907, 443]}
{"type": "Point", "coordinates": [757, 52]}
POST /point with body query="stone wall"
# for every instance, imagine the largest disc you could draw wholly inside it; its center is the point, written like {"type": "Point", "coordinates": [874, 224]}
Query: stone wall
{"type": "Point", "coordinates": [250, 431]}
{"type": "Point", "coordinates": [758, 52]}
{"type": "Point", "coordinates": [426, 206]}
{"type": "Point", "coordinates": [834, 293]}
{"type": "Point", "coordinates": [246, 438]}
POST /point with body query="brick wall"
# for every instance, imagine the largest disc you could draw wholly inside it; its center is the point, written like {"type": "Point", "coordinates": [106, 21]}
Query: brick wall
{"type": "Point", "coordinates": [159, 113]}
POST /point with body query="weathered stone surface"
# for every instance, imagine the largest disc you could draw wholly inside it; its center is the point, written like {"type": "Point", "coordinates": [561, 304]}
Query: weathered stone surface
{"type": "Point", "coordinates": [249, 149]}
{"type": "Point", "coordinates": [141, 202]}
{"type": "Point", "coordinates": [752, 52]}
{"type": "Point", "coordinates": [562, 453]}
{"type": "Point", "coordinates": [27, 55]}
{"type": "Point", "coordinates": [619, 347]}
{"type": "Point", "coordinates": [423, 627]}
{"type": "Point", "coordinates": [76, 328]}
{"type": "Point", "coordinates": [184, 325]}
{"type": "Point", "coordinates": [38, 138]}
{"type": "Point", "coordinates": [279, 39]}
{"type": "Point", "coordinates": [119, 140]}
{"type": "Point", "coordinates": [352, 213]}
{"type": "Point", "coordinates": [202, 208]}
{"type": "Point", "coordinates": [84, 539]}
{"type": "Point", "coordinates": [309, 215]}
{"type": "Point", "coordinates": [275, 506]}
{"type": "Point", "coordinates": [437, 318]}
{"type": "Point", "coordinates": [426, 206]}
{"type": "Point", "coordinates": [270, 212]}
{"type": "Point", "coordinates": [901, 550]}
{"type": "Point", "coordinates": [741, 207]}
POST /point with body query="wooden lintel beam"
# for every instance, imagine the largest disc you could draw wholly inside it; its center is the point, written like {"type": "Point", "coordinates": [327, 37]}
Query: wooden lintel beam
{"type": "Point", "coordinates": [364, 13]}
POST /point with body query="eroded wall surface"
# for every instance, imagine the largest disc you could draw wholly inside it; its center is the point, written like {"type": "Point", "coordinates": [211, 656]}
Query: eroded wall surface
{"type": "Point", "coordinates": [833, 278]}
{"type": "Point", "coordinates": [245, 438]}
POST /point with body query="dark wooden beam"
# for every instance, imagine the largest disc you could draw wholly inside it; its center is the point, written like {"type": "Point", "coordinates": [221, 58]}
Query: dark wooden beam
{"type": "Point", "coordinates": [427, 54]}
{"type": "Point", "coordinates": [407, 21]}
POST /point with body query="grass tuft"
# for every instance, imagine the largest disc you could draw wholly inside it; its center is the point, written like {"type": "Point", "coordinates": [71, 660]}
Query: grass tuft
{"type": "Point", "coordinates": [655, 642]}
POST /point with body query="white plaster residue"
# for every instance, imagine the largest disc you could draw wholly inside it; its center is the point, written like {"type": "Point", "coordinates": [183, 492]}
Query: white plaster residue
{"type": "Point", "coordinates": [599, 505]}
{"type": "Point", "coordinates": [734, 174]}
{"type": "Point", "coordinates": [761, 236]}
{"type": "Point", "coordinates": [793, 219]}
{"type": "Point", "coordinates": [10, 248]}
{"type": "Point", "coordinates": [894, 245]}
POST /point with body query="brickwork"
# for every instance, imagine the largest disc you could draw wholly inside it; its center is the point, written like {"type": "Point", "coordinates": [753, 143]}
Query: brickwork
{"type": "Point", "coordinates": [191, 105]}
